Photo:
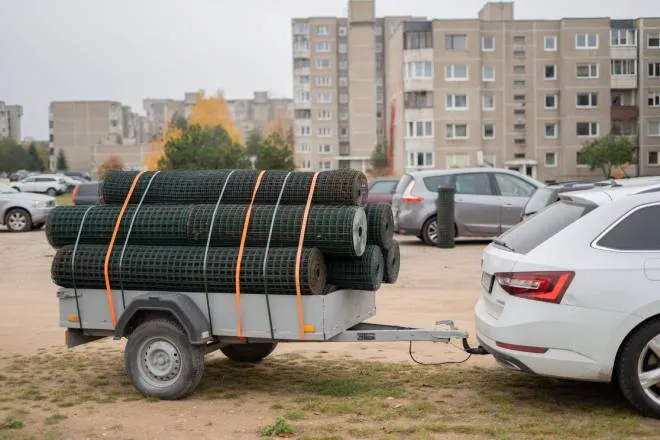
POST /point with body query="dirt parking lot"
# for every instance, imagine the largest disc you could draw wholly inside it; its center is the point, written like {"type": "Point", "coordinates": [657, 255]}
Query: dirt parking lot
{"type": "Point", "coordinates": [320, 391]}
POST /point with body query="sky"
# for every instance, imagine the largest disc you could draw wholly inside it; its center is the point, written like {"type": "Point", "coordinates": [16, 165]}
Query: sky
{"type": "Point", "coordinates": [127, 50]}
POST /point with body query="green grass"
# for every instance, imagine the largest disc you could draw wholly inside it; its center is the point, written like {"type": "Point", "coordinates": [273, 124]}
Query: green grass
{"type": "Point", "coordinates": [64, 199]}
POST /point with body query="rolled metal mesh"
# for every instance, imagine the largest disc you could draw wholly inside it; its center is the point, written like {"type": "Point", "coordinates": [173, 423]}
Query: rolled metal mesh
{"type": "Point", "coordinates": [381, 224]}
{"type": "Point", "coordinates": [180, 269]}
{"type": "Point", "coordinates": [392, 257]}
{"type": "Point", "coordinates": [362, 273]}
{"type": "Point", "coordinates": [335, 230]}
{"type": "Point", "coordinates": [335, 187]}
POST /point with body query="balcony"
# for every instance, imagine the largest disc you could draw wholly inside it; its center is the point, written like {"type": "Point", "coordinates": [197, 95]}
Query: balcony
{"type": "Point", "coordinates": [623, 82]}
{"type": "Point", "coordinates": [624, 112]}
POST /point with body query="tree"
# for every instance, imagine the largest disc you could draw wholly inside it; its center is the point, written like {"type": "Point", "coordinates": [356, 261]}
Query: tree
{"type": "Point", "coordinates": [379, 159]}
{"type": "Point", "coordinates": [283, 125]}
{"type": "Point", "coordinates": [13, 156]}
{"type": "Point", "coordinates": [200, 148]}
{"type": "Point", "coordinates": [254, 142]}
{"type": "Point", "coordinates": [607, 153]}
{"type": "Point", "coordinates": [275, 154]}
{"type": "Point", "coordinates": [61, 161]}
{"type": "Point", "coordinates": [35, 163]}
{"type": "Point", "coordinates": [110, 163]}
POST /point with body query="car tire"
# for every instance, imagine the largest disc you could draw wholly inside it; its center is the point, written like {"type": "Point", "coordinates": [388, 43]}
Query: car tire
{"type": "Point", "coordinates": [639, 355]}
{"type": "Point", "coordinates": [429, 229]}
{"type": "Point", "coordinates": [249, 353]}
{"type": "Point", "coordinates": [51, 192]}
{"type": "Point", "coordinates": [37, 226]}
{"type": "Point", "coordinates": [18, 220]}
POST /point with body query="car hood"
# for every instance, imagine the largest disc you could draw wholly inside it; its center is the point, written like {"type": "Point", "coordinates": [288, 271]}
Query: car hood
{"type": "Point", "coordinates": [28, 197]}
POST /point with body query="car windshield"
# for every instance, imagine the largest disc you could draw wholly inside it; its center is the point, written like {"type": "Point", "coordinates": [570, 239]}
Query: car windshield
{"type": "Point", "coordinates": [5, 189]}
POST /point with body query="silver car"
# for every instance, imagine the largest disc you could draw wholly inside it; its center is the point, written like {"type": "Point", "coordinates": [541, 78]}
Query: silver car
{"type": "Point", "coordinates": [23, 211]}
{"type": "Point", "coordinates": [488, 201]}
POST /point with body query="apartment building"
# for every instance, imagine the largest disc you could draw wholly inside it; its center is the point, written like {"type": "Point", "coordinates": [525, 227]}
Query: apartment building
{"type": "Point", "coordinates": [258, 112]}
{"type": "Point", "coordinates": [10, 121]}
{"type": "Point", "coordinates": [521, 94]}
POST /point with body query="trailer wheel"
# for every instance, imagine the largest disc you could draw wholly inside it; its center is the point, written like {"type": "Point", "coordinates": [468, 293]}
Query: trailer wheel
{"type": "Point", "coordinates": [250, 352]}
{"type": "Point", "coordinates": [161, 362]}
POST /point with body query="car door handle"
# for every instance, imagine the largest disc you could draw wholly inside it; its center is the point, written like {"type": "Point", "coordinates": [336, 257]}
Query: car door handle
{"type": "Point", "coordinates": [508, 205]}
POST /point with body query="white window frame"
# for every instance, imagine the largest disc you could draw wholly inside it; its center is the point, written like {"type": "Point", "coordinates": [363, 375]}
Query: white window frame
{"type": "Point", "coordinates": [586, 40]}
{"type": "Point", "coordinates": [657, 158]}
{"type": "Point", "coordinates": [379, 47]}
{"type": "Point", "coordinates": [304, 147]}
{"type": "Point", "coordinates": [591, 132]}
{"type": "Point", "coordinates": [554, 71]}
{"type": "Point", "coordinates": [343, 65]}
{"type": "Point", "coordinates": [591, 104]}
{"type": "Point", "coordinates": [625, 63]}
{"type": "Point", "coordinates": [304, 130]}
{"type": "Point", "coordinates": [323, 81]}
{"type": "Point", "coordinates": [343, 81]}
{"type": "Point", "coordinates": [545, 101]}
{"type": "Point", "coordinates": [484, 38]}
{"type": "Point", "coordinates": [322, 29]}
{"type": "Point", "coordinates": [555, 129]}
{"type": "Point", "coordinates": [343, 116]}
{"type": "Point", "coordinates": [320, 63]}
{"type": "Point", "coordinates": [342, 48]}
{"type": "Point", "coordinates": [324, 98]}
{"type": "Point", "coordinates": [483, 102]}
{"type": "Point", "coordinates": [483, 73]}
{"type": "Point", "coordinates": [324, 132]}
{"type": "Point", "coordinates": [452, 36]}
{"type": "Point", "coordinates": [323, 163]}
{"type": "Point", "coordinates": [302, 96]}
{"type": "Point", "coordinates": [306, 164]}
{"type": "Point", "coordinates": [627, 33]}
{"type": "Point", "coordinates": [450, 72]}
{"type": "Point", "coordinates": [651, 124]}
{"type": "Point", "coordinates": [324, 150]}
{"type": "Point", "coordinates": [589, 66]}
{"type": "Point", "coordinates": [650, 35]}
{"type": "Point", "coordinates": [655, 98]}
{"type": "Point", "coordinates": [322, 47]}
{"type": "Point", "coordinates": [653, 66]}
{"type": "Point", "coordinates": [483, 131]}
{"type": "Point", "coordinates": [412, 129]}
{"type": "Point", "coordinates": [342, 31]}
{"type": "Point", "coordinates": [411, 69]}
{"type": "Point", "coordinates": [301, 28]}
{"type": "Point", "coordinates": [450, 102]}
{"type": "Point", "coordinates": [451, 131]}
{"type": "Point", "coordinates": [343, 98]}
{"type": "Point", "coordinates": [454, 156]}
{"type": "Point", "coordinates": [555, 164]}
{"type": "Point", "coordinates": [552, 38]}
{"type": "Point", "coordinates": [324, 115]}
{"type": "Point", "coordinates": [412, 155]}
{"type": "Point", "coordinates": [378, 30]}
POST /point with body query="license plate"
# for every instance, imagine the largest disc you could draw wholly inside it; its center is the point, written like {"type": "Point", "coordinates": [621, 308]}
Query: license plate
{"type": "Point", "coordinates": [487, 282]}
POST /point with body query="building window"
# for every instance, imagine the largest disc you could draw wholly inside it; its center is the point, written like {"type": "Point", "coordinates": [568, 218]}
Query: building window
{"type": "Point", "coordinates": [322, 29]}
{"type": "Point", "coordinates": [380, 96]}
{"type": "Point", "coordinates": [303, 147]}
{"type": "Point", "coordinates": [379, 47]}
{"type": "Point", "coordinates": [456, 72]}
{"type": "Point", "coordinates": [519, 39]}
{"type": "Point", "coordinates": [519, 98]}
{"type": "Point", "coordinates": [587, 71]}
{"type": "Point", "coordinates": [343, 116]}
{"type": "Point", "coordinates": [323, 81]}
{"type": "Point", "coordinates": [653, 40]}
{"type": "Point", "coordinates": [550, 159]}
{"type": "Point", "coordinates": [324, 98]}
{"type": "Point", "coordinates": [322, 46]}
{"type": "Point", "coordinates": [419, 99]}
{"type": "Point", "coordinates": [654, 128]}
{"type": "Point", "coordinates": [519, 54]}
{"type": "Point", "coordinates": [587, 100]}
{"type": "Point", "coordinates": [458, 160]}
{"type": "Point", "coordinates": [419, 129]}
{"type": "Point", "coordinates": [302, 79]}
{"type": "Point", "coordinates": [301, 28]}
{"type": "Point", "coordinates": [456, 102]}
{"type": "Point", "coordinates": [324, 115]}
{"type": "Point", "coordinates": [579, 161]}
{"type": "Point", "coordinates": [306, 164]}
{"type": "Point", "coordinates": [343, 98]}
{"type": "Point", "coordinates": [586, 40]}
{"type": "Point", "coordinates": [488, 43]}
{"type": "Point", "coordinates": [343, 48]}
{"type": "Point", "coordinates": [454, 42]}
{"type": "Point", "coordinates": [378, 81]}
{"type": "Point", "coordinates": [623, 37]}
{"type": "Point", "coordinates": [654, 99]}
{"type": "Point", "coordinates": [519, 70]}
{"type": "Point", "coordinates": [418, 40]}
{"type": "Point", "coordinates": [302, 96]}
{"type": "Point", "coordinates": [550, 71]}
{"type": "Point", "coordinates": [519, 127]}
{"type": "Point", "coordinates": [378, 30]}
{"type": "Point", "coordinates": [550, 102]}
{"type": "Point", "coordinates": [489, 131]}
{"type": "Point", "coordinates": [586, 129]}
{"type": "Point", "coordinates": [304, 130]}
{"type": "Point", "coordinates": [488, 73]}
{"type": "Point", "coordinates": [301, 63]}
{"type": "Point", "coordinates": [324, 132]}
{"type": "Point", "coordinates": [325, 148]}
{"type": "Point", "coordinates": [419, 69]}
{"type": "Point", "coordinates": [488, 102]}
{"type": "Point", "coordinates": [654, 70]}
{"type": "Point", "coordinates": [653, 158]}
{"type": "Point", "coordinates": [325, 165]}
{"type": "Point", "coordinates": [518, 83]}
{"type": "Point", "coordinates": [421, 160]}
{"type": "Point", "coordinates": [551, 131]}
{"type": "Point", "coordinates": [457, 131]}
{"type": "Point", "coordinates": [550, 43]}
{"type": "Point", "coordinates": [343, 81]}
{"type": "Point", "coordinates": [623, 67]}
{"type": "Point", "coordinates": [343, 65]}
{"type": "Point", "coordinates": [342, 31]}
{"type": "Point", "coordinates": [322, 63]}
{"type": "Point", "coordinates": [343, 132]}
{"type": "Point", "coordinates": [300, 43]}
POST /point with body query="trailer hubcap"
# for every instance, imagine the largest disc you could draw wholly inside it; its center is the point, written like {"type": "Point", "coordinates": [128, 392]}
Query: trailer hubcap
{"type": "Point", "coordinates": [160, 362]}
{"type": "Point", "coordinates": [648, 369]}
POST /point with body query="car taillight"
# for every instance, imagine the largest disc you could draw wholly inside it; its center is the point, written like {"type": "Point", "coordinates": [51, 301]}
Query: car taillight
{"type": "Point", "coordinates": [408, 196]}
{"type": "Point", "coordinates": [74, 194]}
{"type": "Point", "coordinates": [539, 286]}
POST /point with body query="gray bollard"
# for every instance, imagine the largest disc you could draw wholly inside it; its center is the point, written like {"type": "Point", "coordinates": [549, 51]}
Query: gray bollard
{"type": "Point", "coordinates": [445, 217]}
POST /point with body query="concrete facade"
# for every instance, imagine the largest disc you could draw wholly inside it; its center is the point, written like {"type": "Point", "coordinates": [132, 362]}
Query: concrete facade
{"type": "Point", "coordinates": [258, 112]}
{"type": "Point", "coordinates": [10, 121]}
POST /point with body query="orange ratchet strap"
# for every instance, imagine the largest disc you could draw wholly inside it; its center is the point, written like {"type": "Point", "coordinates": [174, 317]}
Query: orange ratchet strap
{"type": "Point", "coordinates": [301, 240]}
{"type": "Point", "coordinates": [108, 290]}
{"type": "Point", "coordinates": [241, 249]}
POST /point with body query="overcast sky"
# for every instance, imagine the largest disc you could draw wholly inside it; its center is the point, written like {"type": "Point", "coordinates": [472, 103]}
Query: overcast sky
{"type": "Point", "coordinates": [126, 50]}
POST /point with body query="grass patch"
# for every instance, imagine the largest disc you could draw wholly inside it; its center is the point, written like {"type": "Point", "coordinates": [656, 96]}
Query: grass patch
{"type": "Point", "coordinates": [64, 199]}
{"type": "Point", "coordinates": [54, 419]}
{"type": "Point", "coordinates": [280, 428]}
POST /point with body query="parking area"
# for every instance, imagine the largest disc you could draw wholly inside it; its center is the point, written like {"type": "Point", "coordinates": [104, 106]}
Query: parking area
{"type": "Point", "coordinates": [323, 391]}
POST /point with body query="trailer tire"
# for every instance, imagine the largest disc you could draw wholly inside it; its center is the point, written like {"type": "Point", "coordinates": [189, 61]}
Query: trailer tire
{"type": "Point", "coordinates": [250, 352]}
{"type": "Point", "coordinates": [161, 362]}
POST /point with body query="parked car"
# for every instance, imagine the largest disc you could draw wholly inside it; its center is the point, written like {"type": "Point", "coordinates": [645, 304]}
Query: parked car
{"type": "Point", "coordinates": [69, 181]}
{"type": "Point", "coordinates": [572, 292]}
{"type": "Point", "coordinates": [488, 201]}
{"type": "Point", "coordinates": [88, 193]}
{"type": "Point", "coordinates": [23, 211]}
{"type": "Point", "coordinates": [78, 174]}
{"type": "Point", "coordinates": [544, 197]}
{"type": "Point", "coordinates": [44, 183]}
{"type": "Point", "coordinates": [382, 189]}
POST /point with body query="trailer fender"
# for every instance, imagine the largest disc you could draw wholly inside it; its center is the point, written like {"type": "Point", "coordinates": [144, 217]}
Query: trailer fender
{"type": "Point", "coordinates": [181, 307]}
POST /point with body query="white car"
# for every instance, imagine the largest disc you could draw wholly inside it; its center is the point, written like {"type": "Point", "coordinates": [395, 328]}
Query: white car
{"type": "Point", "coordinates": [46, 184]}
{"type": "Point", "coordinates": [574, 292]}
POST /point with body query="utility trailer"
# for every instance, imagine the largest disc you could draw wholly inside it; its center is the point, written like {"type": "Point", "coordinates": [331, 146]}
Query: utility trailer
{"type": "Point", "coordinates": [169, 333]}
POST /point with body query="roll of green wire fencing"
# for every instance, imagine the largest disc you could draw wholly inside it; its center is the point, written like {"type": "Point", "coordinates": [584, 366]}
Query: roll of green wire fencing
{"type": "Point", "coordinates": [180, 269]}
{"type": "Point", "coordinates": [381, 224]}
{"type": "Point", "coordinates": [335, 187]}
{"type": "Point", "coordinates": [335, 230]}
{"type": "Point", "coordinates": [361, 273]}
{"type": "Point", "coordinates": [392, 257]}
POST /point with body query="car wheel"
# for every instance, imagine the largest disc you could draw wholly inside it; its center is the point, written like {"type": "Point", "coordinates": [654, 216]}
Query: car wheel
{"type": "Point", "coordinates": [18, 220]}
{"type": "Point", "coordinates": [638, 368]}
{"type": "Point", "coordinates": [51, 192]}
{"type": "Point", "coordinates": [37, 226]}
{"type": "Point", "coordinates": [16, 188]}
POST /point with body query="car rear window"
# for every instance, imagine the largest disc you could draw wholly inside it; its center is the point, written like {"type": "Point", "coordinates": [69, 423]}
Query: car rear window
{"type": "Point", "coordinates": [403, 183]}
{"type": "Point", "coordinates": [529, 234]}
{"type": "Point", "coordinates": [88, 190]}
{"type": "Point", "coordinates": [433, 182]}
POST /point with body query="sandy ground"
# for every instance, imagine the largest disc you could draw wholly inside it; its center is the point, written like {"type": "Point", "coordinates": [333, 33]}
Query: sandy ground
{"type": "Point", "coordinates": [434, 284]}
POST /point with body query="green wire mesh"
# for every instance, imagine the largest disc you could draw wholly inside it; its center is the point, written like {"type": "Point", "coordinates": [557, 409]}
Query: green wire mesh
{"type": "Point", "coordinates": [381, 224]}
{"type": "Point", "coordinates": [335, 230]}
{"type": "Point", "coordinates": [361, 273]}
{"type": "Point", "coordinates": [164, 268]}
{"type": "Point", "coordinates": [392, 257]}
{"type": "Point", "coordinates": [334, 187]}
